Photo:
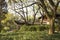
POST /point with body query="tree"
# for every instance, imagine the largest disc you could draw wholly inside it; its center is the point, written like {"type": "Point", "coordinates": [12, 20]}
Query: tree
{"type": "Point", "coordinates": [48, 6]}
{"type": "Point", "coordinates": [35, 10]}
{"type": "Point", "coordinates": [51, 15]}
{"type": "Point", "coordinates": [22, 11]}
{"type": "Point", "coordinates": [3, 11]}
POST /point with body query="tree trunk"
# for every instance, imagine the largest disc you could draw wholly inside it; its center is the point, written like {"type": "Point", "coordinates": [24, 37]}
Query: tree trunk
{"type": "Point", "coordinates": [52, 28]}
{"type": "Point", "coordinates": [34, 19]}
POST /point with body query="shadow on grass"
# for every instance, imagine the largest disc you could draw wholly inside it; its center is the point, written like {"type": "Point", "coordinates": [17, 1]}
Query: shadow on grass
{"type": "Point", "coordinates": [55, 36]}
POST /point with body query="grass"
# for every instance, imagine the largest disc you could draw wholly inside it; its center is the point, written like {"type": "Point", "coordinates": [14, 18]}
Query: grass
{"type": "Point", "coordinates": [21, 36]}
{"type": "Point", "coordinates": [33, 32]}
{"type": "Point", "coordinates": [29, 35]}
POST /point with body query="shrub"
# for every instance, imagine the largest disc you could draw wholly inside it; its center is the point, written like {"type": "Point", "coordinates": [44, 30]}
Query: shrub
{"type": "Point", "coordinates": [34, 28]}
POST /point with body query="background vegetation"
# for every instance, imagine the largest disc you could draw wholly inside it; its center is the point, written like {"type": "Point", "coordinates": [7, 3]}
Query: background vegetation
{"type": "Point", "coordinates": [25, 21]}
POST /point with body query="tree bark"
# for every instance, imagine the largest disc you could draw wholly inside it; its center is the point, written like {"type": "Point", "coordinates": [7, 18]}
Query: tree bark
{"type": "Point", "coordinates": [52, 28]}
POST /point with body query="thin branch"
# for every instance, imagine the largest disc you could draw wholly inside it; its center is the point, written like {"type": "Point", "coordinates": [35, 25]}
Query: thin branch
{"type": "Point", "coordinates": [57, 5]}
{"type": "Point", "coordinates": [29, 5]}
{"type": "Point", "coordinates": [19, 14]}
{"type": "Point", "coordinates": [51, 3]}
{"type": "Point", "coordinates": [50, 6]}
{"type": "Point", "coordinates": [42, 4]}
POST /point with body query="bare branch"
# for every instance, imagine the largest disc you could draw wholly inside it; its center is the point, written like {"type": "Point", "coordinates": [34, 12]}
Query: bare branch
{"type": "Point", "coordinates": [57, 5]}
{"type": "Point", "coordinates": [29, 5]}
{"type": "Point", "coordinates": [51, 2]}
{"type": "Point", "coordinates": [44, 7]}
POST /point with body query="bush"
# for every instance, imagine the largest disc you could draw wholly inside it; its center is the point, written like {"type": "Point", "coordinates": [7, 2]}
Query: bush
{"type": "Point", "coordinates": [43, 27]}
{"type": "Point", "coordinates": [34, 28]}
{"type": "Point", "coordinates": [24, 28]}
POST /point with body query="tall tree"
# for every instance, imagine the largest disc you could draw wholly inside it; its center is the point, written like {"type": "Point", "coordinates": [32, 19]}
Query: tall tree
{"type": "Point", "coordinates": [51, 15]}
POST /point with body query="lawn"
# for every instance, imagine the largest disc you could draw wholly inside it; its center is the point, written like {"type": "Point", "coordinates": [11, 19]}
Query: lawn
{"type": "Point", "coordinates": [32, 32]}
{"type": "Point", "coordinates": [29, 35]}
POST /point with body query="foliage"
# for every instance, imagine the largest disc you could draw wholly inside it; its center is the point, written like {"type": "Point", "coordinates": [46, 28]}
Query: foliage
{"type": "Point", "coordinates": [3, 11]}
{"type": "Point", "coordinates": [8, 17]}
{"type": "Point", "coordinates": [8, 23]}
{"type": "Point", "coordinates": [34, 28]}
